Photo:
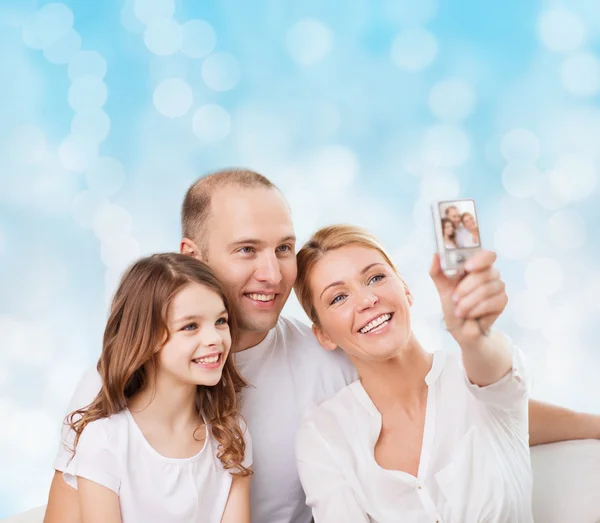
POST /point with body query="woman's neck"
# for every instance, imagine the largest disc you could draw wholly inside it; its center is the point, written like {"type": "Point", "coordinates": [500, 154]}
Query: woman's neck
{"type": "Point", "coordinates": [400, 380]}
{"type": "Point", "coordinates": [166, 402]}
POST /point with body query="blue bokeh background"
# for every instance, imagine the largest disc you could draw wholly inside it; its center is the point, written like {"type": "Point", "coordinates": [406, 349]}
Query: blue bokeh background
{"type": "Point", "coordinates": [360, 111]}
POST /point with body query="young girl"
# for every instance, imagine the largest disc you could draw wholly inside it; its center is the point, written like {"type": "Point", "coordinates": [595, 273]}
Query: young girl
{"type": "Point", "coordinates": [162, 441]}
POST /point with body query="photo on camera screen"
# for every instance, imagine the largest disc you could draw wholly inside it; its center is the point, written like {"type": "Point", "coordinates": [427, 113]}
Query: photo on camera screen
{"type": "Point", "coordinates": [460, 228]}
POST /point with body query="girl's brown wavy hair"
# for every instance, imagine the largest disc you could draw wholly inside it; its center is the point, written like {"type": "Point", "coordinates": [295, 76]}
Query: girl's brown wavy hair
{"type": "Point", "coordinates": [137, 328]}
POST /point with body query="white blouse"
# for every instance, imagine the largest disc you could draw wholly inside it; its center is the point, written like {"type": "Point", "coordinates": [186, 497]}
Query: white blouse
{"type": "Point", "coordinates": [474, 465]}
{"type": "Point", "coordinates": [152, 488]}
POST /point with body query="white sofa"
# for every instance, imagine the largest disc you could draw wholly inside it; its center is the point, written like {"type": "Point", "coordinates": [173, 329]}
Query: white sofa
{"type": "Point", "coordinates": [566, 485]}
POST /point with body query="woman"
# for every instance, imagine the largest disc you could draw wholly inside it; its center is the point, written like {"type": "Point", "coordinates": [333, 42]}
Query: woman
{"type": "Point", "coordinates": [449, 233]}
{"type": "Point", "coordinates": [420, 437]}
{"type": "Point", "coordinates": [472, 238]}
{"type": "Point", "coordinates": [162, 441]}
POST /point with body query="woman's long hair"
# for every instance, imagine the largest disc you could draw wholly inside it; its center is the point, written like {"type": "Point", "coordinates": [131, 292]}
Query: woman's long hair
{"type": "Point", "coordinates": [137, 328]}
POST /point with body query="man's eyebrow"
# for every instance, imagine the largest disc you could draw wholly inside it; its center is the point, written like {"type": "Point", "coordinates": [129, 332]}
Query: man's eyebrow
{"type": "Point", "coordinates": [336, 283]}
{"type": "Point", "coordinates": [256, 241]}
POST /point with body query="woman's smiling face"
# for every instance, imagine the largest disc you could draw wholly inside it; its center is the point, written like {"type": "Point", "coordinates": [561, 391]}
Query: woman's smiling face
{"type": "Point", "coordinates": [362, 304]}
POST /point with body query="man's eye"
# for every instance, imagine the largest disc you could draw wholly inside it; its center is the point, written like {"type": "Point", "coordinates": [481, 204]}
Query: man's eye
{"type": "Point", "coordinates": [337, 299]}
{"type": "Point", "coordinates": [284, 248]}
{"type": "Point", "coordinates": [190, 327]}
{"type": "Point", "coordinates": [246, 250]}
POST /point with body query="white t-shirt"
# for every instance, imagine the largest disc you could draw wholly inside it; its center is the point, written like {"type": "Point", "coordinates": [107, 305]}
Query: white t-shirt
{"type": "Point", "coordinates": [474, 464]}
{"type": "Point", "coordinates": [463, 237]}
{"type": "Point", "coordinates": [113, 452]}
{"type": "Point", "coordinates": [288, 371]}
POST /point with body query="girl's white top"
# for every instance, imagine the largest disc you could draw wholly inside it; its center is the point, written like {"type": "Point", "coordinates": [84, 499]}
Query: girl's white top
{"type": "Point", "coordinates": [152, 488]}
{"type": "Point", "coordinates": [474, 464]}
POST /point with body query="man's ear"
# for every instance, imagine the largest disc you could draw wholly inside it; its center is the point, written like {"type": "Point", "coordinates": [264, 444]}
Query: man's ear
{"type": "Point", "coordinates": [326, 342]}
{"type": "Point", "coordinates": [189, 248]}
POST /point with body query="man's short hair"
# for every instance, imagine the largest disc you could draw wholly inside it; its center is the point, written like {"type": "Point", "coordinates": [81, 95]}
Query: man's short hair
{"type": "Point", "coordinates": [195, 210]}
{"type": "Point", "coordinates": [447, 210]}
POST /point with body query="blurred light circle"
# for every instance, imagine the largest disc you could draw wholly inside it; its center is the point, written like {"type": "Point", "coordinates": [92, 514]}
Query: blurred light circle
{"type": "Point", "coordinates": [92, 125]}
{"type": "Point", "coordinates": [76, 154]}
{"type": "Point", "coordinates": [409, 12]}
{"type": "Point", "coordinates": [211, 123]}
{"type": "Point", "coordinates": [530, 310]}
{"type": "Point", "coordinates": [52, 188]}
{"type": "Point", "coordinates": [520, 146]}
{"type": "Point", "coordinates": [546, 196]}
{"type": "Point", "coordinates": [334, 166]}
{"type": "Point", "coordinates": [580, 74]}
{"type": "Point", "coordinates": [544, 276]}
{"type": "Point", "coordinates": [199, 39]}
{"type": "Point", "coordinates": [452, 100]}
{"type": "Point", "coordinates": [111, 222]}
{"type": "Point", "coordinates": [64, 49]}
{"type": "Point", "coordinates": [564, 320]}
{"type": "Point", "coordinates": [221, 71]}
{"type": "Point", "coordinates": [86, 93]}
{"type": "Point", "coordinates": [561, 30]}
{"type": "Point", "coordinates": [48, 25]}
{"type": "Point", "coordinates": [28, 144]}
{"type": "Point", "coordinates": [592, 294]}
{"type": "Point", "coordinates": [119, 252]}
{"type": "Point", "coordinates": [2, 240]}
{"type": "Point", "coordinates": [163, 37]}
{"type": "Point", "coordinates": [309, 41]}
{"type": "Point", "coordinates": [86, 205]}
{"type": "Point", "coordinates": [414, 49]}
{"type": "Point", "coordinates": [14, 334]}
{"type": "Point", "coordinates": [439, 184]}
{"type": "Point", "coordinates": [105, 176]}
{"type": "Point", "coordinates": [574, 177]}
{"type": "Point", "coordinates": [578, 129]}
{"type": "Point", "coordinates": [521, 180]}
{"type": "Point", "coordinates": [446, 146]}
{"type": "Point", "coordinates": [514, 239]}
{"type": "Point", "coordinates": [149, 11]}
{"type": "Point", "coordinates": [87, 63]}
{"type": "Point", "coordinates": [173, 97]}
{"type": "Point", "coordinates": [567, 229]}
{"type": "Point", "coordinates": [129, 20]}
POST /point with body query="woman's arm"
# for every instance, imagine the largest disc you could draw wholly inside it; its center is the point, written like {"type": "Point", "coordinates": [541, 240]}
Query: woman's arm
{"type": "Point", "coordinates": [328, 493]}
{"type": "Point", "coordinates": [471, 305]}
{"type": "Point", "coordinates": [237, 509]}
{"type": "Point", "coordinates": [98, 504]}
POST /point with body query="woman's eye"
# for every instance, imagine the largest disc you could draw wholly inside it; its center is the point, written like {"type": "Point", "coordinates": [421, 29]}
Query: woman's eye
{"type": "Point", "coordinates": [221, 321]}
{"type": "Point", "coordinates": [337, 299]}
{"type": "Point", "coordinates": [190, 327]}
{"type": "Point", "coordinates": [377, 278]}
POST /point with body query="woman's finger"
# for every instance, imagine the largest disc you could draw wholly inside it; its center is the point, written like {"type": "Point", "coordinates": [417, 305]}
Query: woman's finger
{"type": "Point", "coordinates": [473, 281]}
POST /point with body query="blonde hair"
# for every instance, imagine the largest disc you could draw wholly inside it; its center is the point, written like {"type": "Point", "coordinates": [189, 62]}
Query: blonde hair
{"type": "Point", "coordinates": [323, 241]}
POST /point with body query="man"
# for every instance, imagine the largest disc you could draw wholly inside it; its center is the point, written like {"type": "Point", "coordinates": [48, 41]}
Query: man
{"type": "Point", "coordinates": [461, 235]}
{"type": "Point", "coordinates": [239, 223]}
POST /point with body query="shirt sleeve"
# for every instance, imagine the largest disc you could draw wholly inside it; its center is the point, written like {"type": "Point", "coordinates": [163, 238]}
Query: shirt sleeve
{"type": "Point", "coordinates": [328, 493]}
{"type": "Point", "coordinates": [509, 393]}
{"type": "Point", "coordinates": [94, 459]}
{"type": "Point", "coordinates": [248, 440]}
{"type": "Point", "coordinates": [84, 394]}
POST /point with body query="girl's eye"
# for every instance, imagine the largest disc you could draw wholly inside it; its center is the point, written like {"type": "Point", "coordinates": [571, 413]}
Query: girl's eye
{"type": "Point", "coordinates": [190, 327]}
{"type": "Point", "coordinates": [336, 300]}
{"type": "Point", "coordinates": [221, 321]}
{"type": "Point", "coordinates": [377, 278]}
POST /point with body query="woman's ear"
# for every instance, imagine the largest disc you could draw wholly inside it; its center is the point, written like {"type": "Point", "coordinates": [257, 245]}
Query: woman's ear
{"type": "Point", "coordinates": [326, 342]}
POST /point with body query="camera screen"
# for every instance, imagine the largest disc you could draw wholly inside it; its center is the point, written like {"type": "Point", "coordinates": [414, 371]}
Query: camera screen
{"type": "Point", "coordinates": [460, 229]}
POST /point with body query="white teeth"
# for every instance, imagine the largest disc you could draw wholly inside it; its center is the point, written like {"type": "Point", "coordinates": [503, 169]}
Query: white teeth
{"type": "Point", "coordinates": [375, 323]}
{"type": "Point", "coordinates": [262, 297]}
{"type": "Point", "coordinates": [210, 359]}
